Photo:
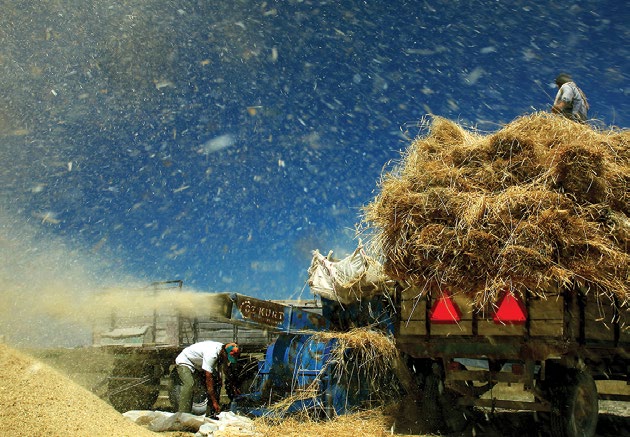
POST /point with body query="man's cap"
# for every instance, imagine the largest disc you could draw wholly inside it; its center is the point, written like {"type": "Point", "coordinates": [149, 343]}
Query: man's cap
{"type": "Point", "coordinates": [563, 78]}
{"type": "Point", "coordinates": [233, 352]}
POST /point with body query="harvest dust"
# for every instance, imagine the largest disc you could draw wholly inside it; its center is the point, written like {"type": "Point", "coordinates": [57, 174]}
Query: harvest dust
{"type": "Point", "coordinates": [52, 293]}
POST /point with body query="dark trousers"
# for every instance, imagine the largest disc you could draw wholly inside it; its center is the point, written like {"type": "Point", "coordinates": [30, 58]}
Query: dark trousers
{"type": "Point", "coordinates": [187, 376]}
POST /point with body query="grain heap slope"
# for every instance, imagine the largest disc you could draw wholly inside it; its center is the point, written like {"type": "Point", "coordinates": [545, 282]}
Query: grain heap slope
{"type": "Point", "coordinates": [540, 204]}
{"type": "Point", "coordinates": [37, 400]}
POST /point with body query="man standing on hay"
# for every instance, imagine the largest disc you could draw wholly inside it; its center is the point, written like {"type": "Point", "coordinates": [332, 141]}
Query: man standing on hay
{"type": "Point", "coordinates": [570, 100]}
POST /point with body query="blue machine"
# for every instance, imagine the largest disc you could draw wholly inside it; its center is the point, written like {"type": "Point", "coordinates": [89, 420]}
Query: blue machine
{"type": "Point", "coordinates": [300, 361]}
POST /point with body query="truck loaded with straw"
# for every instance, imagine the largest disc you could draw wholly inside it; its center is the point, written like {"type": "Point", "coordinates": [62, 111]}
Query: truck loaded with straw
{"type": "Point", "coordinates": [511, 251]}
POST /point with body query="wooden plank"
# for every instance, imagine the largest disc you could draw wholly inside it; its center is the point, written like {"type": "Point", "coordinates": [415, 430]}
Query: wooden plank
{"type": "Point", "coordinates": [624, 325]}
{"type": "Point", "coordinates": [464, 327]}
{"type": "Point", "coordinates": [413, 309]}
{"type": "Point", "coordinates": [572, 316]}
{"type": "Point", "coordinates": [413, 327]}
{"type": "Point", "coordinates": [599, 316]}
{"type": "Point", "coordinates": [551, 308]}
{"type": "Point", "coordinates": [546, 328]}
{"type": "Point", "coordinates": [546, 316]}
{"type": "Point", "coordinates": [489, 327]}
{"type": "Point", "coordinates": [411, 293]}
{"type": "Point", "coordinates": [507, 404]}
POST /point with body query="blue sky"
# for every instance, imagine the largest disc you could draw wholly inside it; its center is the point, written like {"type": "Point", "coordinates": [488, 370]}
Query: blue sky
{"type": "Point", "coordinates": [221, 142]}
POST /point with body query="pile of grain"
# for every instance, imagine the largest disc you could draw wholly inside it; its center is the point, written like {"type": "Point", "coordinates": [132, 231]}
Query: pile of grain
{"type": "Point", "coordinates": [543, 203]}
{"type": "Point", "coordinates": [37, 400]}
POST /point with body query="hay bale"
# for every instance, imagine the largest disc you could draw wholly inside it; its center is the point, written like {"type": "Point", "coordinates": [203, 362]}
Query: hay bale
{"type": "Point", "coordinates": [542, 203]}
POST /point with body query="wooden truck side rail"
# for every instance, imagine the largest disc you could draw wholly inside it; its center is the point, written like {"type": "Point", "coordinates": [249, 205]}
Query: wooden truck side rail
{"type": "Point", "coordinates": [566, 320]}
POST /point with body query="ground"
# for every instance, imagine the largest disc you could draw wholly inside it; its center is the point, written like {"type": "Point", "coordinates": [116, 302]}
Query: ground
{"type": "Point", "coordinates": [88, 368]}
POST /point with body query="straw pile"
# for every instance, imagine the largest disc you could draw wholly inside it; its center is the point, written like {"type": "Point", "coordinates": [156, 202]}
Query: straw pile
{"type": "Point", "coordinates": [373, 423]}
{"type": "Point", "coordinates": [373, 350]}
{"type": "Point", "coordinates": [542, 203]}
{"type": "Point", "coordinates": [360, 354]}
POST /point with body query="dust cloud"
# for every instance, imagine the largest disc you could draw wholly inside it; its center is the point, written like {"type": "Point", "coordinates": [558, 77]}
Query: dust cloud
{"type": "Point", "coordinates": [53, 293]}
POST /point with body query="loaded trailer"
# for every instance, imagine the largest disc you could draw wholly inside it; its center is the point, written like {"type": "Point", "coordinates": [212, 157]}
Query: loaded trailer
{"type": "Point", "coordinates": [555, 348]}
{"type": "Point", "coordinates": [560, 349]}
{"type": "Point", "coordinates": [513, 250]}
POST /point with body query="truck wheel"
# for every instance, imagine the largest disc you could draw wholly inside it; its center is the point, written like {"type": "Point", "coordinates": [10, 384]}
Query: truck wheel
{"type": "Point", "coordinates": [200, 396]}
{"type": "Point", "coordinates": [133, 385]}
{"type": "Point", "coordinates": [574, 405]}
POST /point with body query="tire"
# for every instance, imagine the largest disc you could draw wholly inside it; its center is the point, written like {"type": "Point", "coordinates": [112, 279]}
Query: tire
{"type": "Point", "coordinates": [200, 396]}
{"type": "Point", "coordinates": [574, 405]}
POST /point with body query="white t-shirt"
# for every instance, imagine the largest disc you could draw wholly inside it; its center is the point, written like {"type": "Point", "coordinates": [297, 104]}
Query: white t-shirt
{"type": "Point", "coordinates": [203, 355]}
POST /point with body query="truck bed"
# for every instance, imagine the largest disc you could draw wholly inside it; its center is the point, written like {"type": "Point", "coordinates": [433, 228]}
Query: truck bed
{"type": "Point", "coordinates": [566, 323]}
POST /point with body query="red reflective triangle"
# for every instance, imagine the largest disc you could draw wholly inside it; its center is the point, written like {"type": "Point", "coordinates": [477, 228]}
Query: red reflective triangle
{"type": "Point", "coordinates": [444, 310]}
{"type": "Point", "coordinates": [511, 310]}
